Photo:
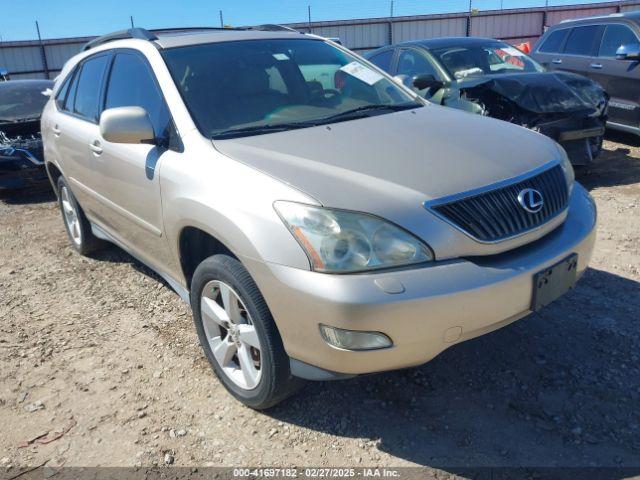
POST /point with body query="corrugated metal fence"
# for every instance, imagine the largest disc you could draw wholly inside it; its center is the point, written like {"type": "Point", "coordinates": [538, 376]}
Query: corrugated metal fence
{"type": "Point", "coordinates": [44, 59]}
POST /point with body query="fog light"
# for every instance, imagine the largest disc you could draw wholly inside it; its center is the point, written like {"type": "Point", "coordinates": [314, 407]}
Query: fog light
{"type": "Point", "coordinates": [353, 339]}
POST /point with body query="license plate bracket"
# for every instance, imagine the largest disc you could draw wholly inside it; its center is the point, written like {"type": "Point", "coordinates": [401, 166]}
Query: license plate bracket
{"type": "Point", "coordinates": [553, 282]}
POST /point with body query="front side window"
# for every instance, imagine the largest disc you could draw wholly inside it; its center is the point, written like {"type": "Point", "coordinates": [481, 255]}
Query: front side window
{"type": "Point", "coordinates": [412, 63]}
{"type": "Point", "coordinates": [131, 85]}
{"type": "Point", "coordinates": [479, 60]}
{"type": "Point", "coordinates": [89, 86]}
{"type": "Point", "coordinates": [616, 35]}
{"type": "Point", "coordinates": [582, 40]}
{"type": "Point", "coordinates": [248, 87]}
{"type": "Point", "coordinates": [554, 41]}
{"type": "Point", "coordinates": [383, 60]}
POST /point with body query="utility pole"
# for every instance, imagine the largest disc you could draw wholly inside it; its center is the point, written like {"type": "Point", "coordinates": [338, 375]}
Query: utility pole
{"type": "Point", "coordinates": [309, 16]}
{"type": "Point", "coordinates": [43, 53]}
{"type": "Point", "coordinates": [391, 24]}
{"type": "Point", "coordinates": [469, 18]}
{"type": "Point", "coordinates": [221, 20]}
{"type": "Point", "coordinates": [131, 18]}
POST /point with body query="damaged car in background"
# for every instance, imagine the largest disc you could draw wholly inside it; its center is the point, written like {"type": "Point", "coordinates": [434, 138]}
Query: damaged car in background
{"type": "Point", "coordinates": [21, 159]}
{"type": "Point", "coordinates": [493, 78]}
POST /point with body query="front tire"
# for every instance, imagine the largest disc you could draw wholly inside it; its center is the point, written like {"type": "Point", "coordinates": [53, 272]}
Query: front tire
{"type": "Point", "coordinates": [75, 222]}
{"type": "Point", "coordinates": [238, 334]}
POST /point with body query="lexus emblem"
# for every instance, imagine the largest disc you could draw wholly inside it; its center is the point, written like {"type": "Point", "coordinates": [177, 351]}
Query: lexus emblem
{"type": "Point", "coordinates": [531, 200]}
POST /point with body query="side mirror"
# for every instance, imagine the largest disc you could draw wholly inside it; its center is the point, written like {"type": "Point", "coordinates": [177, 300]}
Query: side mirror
{"type": "Point", "coordinates": [426, 80]}
{"type": "Point", "coordinates": [126, 125]}
{"type": "Point", "coordinates": [628, 52]}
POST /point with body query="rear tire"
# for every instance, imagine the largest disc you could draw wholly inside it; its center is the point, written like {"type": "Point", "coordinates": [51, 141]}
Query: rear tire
{"type": "Point", "coordinates": [232, 318]}
{"type": "Point", "coordinates": [75, 222]}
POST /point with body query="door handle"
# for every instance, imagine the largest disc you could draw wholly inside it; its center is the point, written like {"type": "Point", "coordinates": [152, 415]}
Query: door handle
{"type": "Point", "coordinates": [596, 65]}
{"type": "Point", "coordinates": [95, 147]}
{"type": "Point", "coordinates": [557, 61]}
{"type": "Point", "coordinates": [56, 131]}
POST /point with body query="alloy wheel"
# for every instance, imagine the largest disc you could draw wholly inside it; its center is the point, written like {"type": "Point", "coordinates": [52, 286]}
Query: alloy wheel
{"type": "Point", "coordinates": [71, 217]}
{"type": "Point", "coordinates": [231, 334]}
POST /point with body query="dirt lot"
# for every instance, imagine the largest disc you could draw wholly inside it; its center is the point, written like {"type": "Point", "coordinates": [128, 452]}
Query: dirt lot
{"type": "Point", "coordinates": [100, 351]}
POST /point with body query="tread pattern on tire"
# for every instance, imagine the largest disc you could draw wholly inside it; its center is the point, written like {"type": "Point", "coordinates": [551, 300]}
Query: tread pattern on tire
{"type": "Point", "coordinates": [281, 384]}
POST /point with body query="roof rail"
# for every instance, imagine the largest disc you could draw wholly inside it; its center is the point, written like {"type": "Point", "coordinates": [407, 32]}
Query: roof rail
{"type": "Point", "coordinates": [139, 33]}
{"type": "Point", "coordinates": [272, 27]}
{"type": "Point", "coordinates": [192, 29]}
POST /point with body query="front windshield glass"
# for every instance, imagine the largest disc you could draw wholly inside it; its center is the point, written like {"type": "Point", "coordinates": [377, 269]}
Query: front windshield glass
{"type": "Point", "coordinates": [252, 85]}
{"type": "Point", "coordinates": [479, 60]}
{"type": "Point", "coordinates": [22, 100]}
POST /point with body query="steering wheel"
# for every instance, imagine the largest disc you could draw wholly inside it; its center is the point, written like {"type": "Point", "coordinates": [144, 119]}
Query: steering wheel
{"type": "Point", "coordinates": [330, 93]}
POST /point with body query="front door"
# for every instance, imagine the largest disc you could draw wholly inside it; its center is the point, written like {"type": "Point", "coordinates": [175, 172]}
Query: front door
{"type": "Point", "coordinates": [620, 78]}
{"type": "Point", "coordinates": [131, 171]}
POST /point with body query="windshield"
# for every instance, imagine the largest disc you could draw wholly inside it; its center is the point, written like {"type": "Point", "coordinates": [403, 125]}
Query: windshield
{"type": "Point", "coordinates": [22, 100]}
{"type": "Point", "coordinates": [254, 86]}
{"type": "Point", "coordinates": [480, 60]}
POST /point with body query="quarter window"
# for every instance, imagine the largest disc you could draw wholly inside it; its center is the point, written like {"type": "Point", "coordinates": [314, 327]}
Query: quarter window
{"type": "Point", "coordinates": [71, 96]}
{"type": "Point", "coordinates": [89, 85]}
{"type": "Point", "coordinates": [616, 35]}
{"type": "Point", "coordinates": [582, 40]}
{"type": "Point", "coordinates": [131, 84]}
{"type": "Point", "coordinates": [554, 41]}
{"type": "Point", "coordinates": [62, 93]}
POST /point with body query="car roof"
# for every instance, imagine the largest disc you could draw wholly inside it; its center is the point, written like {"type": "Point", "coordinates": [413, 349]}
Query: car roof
{"type": "Point", "coordinates": [184, 38]}
{"type": "Point", "coordinates": [632, 16]}
{"type": "Point", "coordinates": [452, 42]}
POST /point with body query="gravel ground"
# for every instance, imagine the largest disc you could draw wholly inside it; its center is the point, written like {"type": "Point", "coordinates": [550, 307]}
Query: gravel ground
{"type": "Point", "coordinates": [100, 366]}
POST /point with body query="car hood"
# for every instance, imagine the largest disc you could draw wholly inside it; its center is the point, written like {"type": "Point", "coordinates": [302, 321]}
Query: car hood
{"type": "Point", "coordinates": [387, 160]}
{"type": "Point", "coordinates": [544, 92]}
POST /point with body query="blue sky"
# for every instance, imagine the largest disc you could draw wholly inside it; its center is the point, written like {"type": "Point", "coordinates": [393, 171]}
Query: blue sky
{"type": "Point", "coordinates": [70, 18]}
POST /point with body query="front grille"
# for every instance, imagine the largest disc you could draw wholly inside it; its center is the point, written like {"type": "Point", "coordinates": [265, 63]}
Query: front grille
{"type": "Point", "coordinates": [496, 214]}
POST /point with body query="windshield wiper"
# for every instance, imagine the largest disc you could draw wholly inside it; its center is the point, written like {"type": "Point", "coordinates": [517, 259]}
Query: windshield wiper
{"type": "Point", "coordinates": [362, 111]}
{"type": "Point", "coordinates": [259, 129]}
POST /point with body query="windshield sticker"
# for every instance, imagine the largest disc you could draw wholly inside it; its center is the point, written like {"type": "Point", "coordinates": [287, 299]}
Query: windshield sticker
{"type": "Point", "coordinates": [362, 73]}
{"type": "Point", "coordinates": [514, 52]}
{"type": "Point", "coordinates": [280, 56]}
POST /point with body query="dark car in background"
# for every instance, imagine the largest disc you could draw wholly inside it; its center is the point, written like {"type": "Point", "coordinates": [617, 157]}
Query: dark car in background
{"type": "Point", "coordinates": [21, 159]}
{"type": "Point", "coordinates": [605, 49]}
{"type": "Point", "coordinates": [493, 78]}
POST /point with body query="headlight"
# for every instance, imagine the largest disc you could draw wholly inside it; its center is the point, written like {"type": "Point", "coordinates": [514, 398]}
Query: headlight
{"type": "Point", "coordinates": [565, 163]}
{"type": "Point", "coordinates": [339, 241]}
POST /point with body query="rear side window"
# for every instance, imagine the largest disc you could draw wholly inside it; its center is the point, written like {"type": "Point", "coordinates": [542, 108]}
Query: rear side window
{"type": "Point", "coordinates": [582, 40]}
{"type": "Point", "coordinates": [89, 87]}
{"type": "Point", "coordinates": [131, 84]}
{"type": "Point", "coordinates": [383, 60]}
{"type": "Point", "coordinates": [554, 41]}
{"type": "Point", "coordinates": [616, 35]}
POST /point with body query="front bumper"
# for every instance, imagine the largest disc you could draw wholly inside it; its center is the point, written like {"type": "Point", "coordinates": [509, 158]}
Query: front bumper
{"type": "Point", "coordinates": [436, 306]}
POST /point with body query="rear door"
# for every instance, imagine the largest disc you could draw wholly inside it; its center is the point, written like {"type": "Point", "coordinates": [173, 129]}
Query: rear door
{"type": "Point", "coordinates": [580, 49]}
{"type": "Point", "coordinates": [75, 126]}
{"type": "Point", "coordinates": [620, 78]}
{"type": "Point", "coordinates": [548, 53]}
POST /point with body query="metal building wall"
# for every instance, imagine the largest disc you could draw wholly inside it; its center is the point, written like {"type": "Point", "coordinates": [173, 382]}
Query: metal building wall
{"type": "Point", "coordinates": [26, 59]}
